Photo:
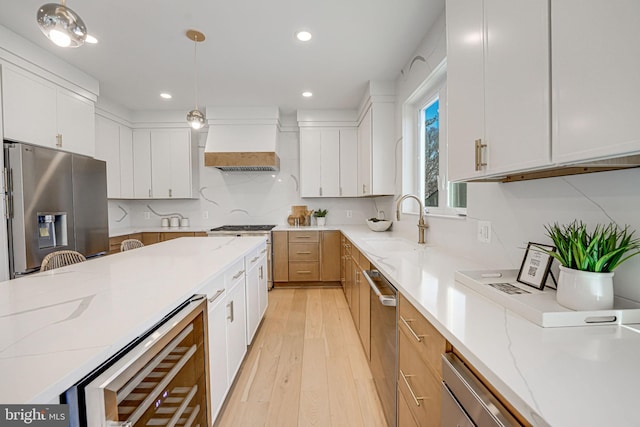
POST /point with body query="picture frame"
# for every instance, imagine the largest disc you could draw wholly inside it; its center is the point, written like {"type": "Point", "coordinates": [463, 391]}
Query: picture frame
{"type": "Point", "coordinates": [536, 265]}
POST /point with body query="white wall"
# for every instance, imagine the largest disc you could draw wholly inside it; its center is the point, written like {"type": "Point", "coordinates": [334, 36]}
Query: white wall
{"type": "Point", "coordinates": [245, 197]}
{"type": "Point", "coordinates": [519, 211]}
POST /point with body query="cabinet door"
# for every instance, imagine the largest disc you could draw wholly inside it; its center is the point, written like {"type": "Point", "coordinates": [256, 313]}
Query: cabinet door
{"type": "Point", "coordinates": [263, 286]}
{"type": "Point", "coordinates": [382, 149]}
{"type": "Point", "coordinates": [465, 86]}
{"type": "Point", "coordinates": [364, 155]}
{"type": "Point", "coordinates": [29, 108]}
{"type": "Point", "coordinates": [280, 256]}
{"type": "Point", "coordinates": [161, 172]}
{"type": "Point", "coordinates": [329, 163]}
{"type": "Point", "coordinates": [142, 164]}
{"type": "Point", "coordinates": [171, 163]}
{"type": "Point", "coordinates": [76, 123]}
{"type": "Point", "coordinates": [236, 327]}
{"type": "Point", "coordinates": [219, 378]}
{"type": "Point", "coordinates": [181, 166]}
{"type": "Point", "coordinates": [253, 303]}
{"type": "Point", "coordinates": [516, 80]}
{"type": "Point", "coordinates": [126, 162]}
{"type": "Point", "coordinates": [348, 162]}
{"type": "Point", "coordinates": [330, 256]}
{"type": "Point", "coordinates": [310, 162]}
{"type": "Point", "coordinates": [595, 79]}
{"type": "Point", "coordinates": [108, 149]}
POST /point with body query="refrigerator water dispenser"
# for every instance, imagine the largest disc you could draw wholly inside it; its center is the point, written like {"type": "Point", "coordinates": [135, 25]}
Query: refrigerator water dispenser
{"type": "Point", "coordinates": [52, 230]}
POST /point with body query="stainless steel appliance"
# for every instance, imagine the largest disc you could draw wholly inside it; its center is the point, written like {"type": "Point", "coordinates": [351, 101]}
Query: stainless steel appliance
{"type": "Point", "coordinates": [383, 298]}
{"type": "Point", "coordinates": [55, 200]}
{"type": "Point", "coordinates": [250, 230]}
{"type": "Point", "coordinates": [160, 379]}
{"type": "Point", "coordinates": [466, 402]}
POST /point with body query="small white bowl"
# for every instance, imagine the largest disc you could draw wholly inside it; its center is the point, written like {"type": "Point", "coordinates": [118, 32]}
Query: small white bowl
{"type": "Point", "coordinates": [380, 225]}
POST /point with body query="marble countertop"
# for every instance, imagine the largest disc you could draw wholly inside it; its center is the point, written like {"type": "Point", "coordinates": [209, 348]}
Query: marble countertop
{"type": "Point", "coordinates": [59, 325]}
{"type": "Point", "coordinates": [157, 229]}
{"type": "Point", "coordinates": [576, 376]}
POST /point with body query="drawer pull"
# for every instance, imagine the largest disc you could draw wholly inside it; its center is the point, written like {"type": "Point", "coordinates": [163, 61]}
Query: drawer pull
{"type": "Point", "coordinates": [304, 253]}
{"type": "Point", "coordinates": [415, 398]}
{"type": "Point", "coordinates": [302, 237]}
{"type": "Point", "coordinates": [406, 323]}
{"type": "Point", "coordinates": [255, 259]}
{"type": "Point", "coordinates": [263, 251]}
{"type": "Point", "coordinates": [303, 271]}
{"type": "Point", "coordinates": [217, 294]}
{"type": "Point", "coordinates": [238, 274]}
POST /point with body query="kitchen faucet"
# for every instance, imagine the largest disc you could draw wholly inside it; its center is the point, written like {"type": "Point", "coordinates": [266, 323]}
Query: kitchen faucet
{"type": "Point", "coordinates": [421, 225]}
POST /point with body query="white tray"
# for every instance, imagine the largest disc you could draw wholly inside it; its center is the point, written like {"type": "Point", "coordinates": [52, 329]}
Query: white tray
{"type": "Point", "coordinates": [540, 307]}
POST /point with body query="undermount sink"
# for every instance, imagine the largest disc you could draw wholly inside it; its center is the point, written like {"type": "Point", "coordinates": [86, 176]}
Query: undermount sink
{"type": "Point", "coordinates": [393, 245]}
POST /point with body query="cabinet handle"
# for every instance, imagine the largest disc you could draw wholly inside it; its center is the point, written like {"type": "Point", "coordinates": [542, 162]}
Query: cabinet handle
{"type": "Point", "coordinates": [216, 295]}
{"type": "Point", "coordinates": [320, 191]}
{"type": "Point", "coordinates": [304, 253]}
{"type": "Point", "coordinates": [254, 259]}
{"type": "Point", "coordinates": [170, 195]}
{"type": "Point", "coordinates": [363, 189]}
{"type": "Point", "coordinates": [58, 140]}
{"type": "Point", "coordinates": [230, 307]}
{"type": "Point", "coordinates": [303, 271]}
{"type": "Point", "coordinates": [149, 192]}
{"type": "Point", "coordinates": [261, 272]}
{"type": "Point", "coordinates": [479, 147]}
{"type": "Point", "coordinates": [238, 274]}
{"type": "Point", "coordinates": [303, 237]}
{"type": "Point", "coordinates": [415, 398]}
{"type": "Point", "coordinates": [263, 251]}
{"type": "Point", "coordinates": [406, 323]}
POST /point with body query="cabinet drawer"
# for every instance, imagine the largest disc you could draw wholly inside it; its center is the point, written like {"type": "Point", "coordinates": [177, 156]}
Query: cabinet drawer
{"type": "Point", "coordinates": [175, 235]}
{"type": "Point", "coordinates": [234, 273]}
{"type": "Point", "coordinates": [417, 384]}
{"type": "Point", "coordinates": [405, 416]}
{"type": "Point", "coordinates": [304, 236]}
{"type": "Point", "coordinates": [150, 238]}
{"type": "Point", "coordinates": [424, 338]}
{"type": "Point", "coordinates": [303, 252]}
{"type": "Point", "coordinates": [304, 271]}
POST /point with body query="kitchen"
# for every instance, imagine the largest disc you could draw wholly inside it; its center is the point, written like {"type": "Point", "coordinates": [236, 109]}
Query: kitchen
{"type": "Point", "coordinates": [517, 211]}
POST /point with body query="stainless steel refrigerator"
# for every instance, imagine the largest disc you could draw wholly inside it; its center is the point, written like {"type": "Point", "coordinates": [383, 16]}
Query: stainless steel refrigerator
{"type": "Point", "coordinates": [55, 201]}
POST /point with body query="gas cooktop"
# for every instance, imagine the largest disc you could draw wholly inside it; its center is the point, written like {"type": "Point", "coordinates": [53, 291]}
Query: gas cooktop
{"type": "Point", "coordinates": [243, 228]}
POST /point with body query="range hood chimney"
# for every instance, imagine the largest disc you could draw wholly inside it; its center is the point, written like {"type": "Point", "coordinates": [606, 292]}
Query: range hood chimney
{"type": "Point", "coordinates": [242, 139]}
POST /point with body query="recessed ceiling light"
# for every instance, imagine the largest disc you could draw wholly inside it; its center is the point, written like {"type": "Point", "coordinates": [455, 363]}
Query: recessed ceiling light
{"type": "Point", "coordinates": [165, 95]}
{"type": "Point", "coordinates": [91, 39]}
{"type": "Point", "coordinates": [307, 94]}
{"type": "Point", "coordinates": [303, 36]}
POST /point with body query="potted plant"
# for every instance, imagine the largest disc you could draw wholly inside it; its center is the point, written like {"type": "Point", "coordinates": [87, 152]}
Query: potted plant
{"type": "Point", "coordinates": [588, 260]}
{"type": "Point", "coordinates": [321, 217]}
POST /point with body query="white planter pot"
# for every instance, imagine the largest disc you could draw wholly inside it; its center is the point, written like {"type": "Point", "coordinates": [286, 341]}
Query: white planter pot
{"type": "Point", "coordinates": [321, 221]}
{"type": "Point", "coordinates": [585, 290]}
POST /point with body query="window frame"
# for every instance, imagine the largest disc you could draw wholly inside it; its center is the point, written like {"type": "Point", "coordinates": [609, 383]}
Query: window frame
{"type": "Point", "coordinates": [434, 87]}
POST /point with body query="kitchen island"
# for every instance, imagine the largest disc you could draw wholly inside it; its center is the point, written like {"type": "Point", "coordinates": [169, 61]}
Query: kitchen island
{"type": "Point", "coordinates": [57, 326]}
{"type": "Point", "coordinates": [571, 376]}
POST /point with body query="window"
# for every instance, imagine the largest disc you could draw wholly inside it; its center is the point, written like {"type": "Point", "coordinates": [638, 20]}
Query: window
{"type": "Point", "coordinates": [425, 149]}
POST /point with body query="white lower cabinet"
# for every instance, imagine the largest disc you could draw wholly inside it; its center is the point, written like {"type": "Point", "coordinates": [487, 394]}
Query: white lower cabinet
{"type": "Point", "coordinates": [256, 289]}
{"type": "Point", "coordinates": [236, 322]}
{"type": "Point", "coordinates": [217, 299]}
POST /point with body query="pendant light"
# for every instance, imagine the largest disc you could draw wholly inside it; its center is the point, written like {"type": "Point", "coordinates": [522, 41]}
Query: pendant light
{"type": "Point", "coordinates": [61, 25]}
{"type": "Point", "coordinates": [195, 117]}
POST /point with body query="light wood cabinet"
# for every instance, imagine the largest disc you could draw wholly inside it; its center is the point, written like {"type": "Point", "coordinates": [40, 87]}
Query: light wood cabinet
{"type": "Point", "coordinates": [594, 79]}
{"type": "Point", "coordinates": [327, 159]}
{"type": "Point", "coordinates": [498, 106]}
{"type": "Point", "coordinates": [376, 150]}
{"type": "Point", "coordinates": [306, 257]}
{"type": "Point", "coordinates": [420, 347]}
{"type": "Point", "coordinates": [114, 145]}
{"type": "Point", "coordinates": [64, 119]}
{"type": "Point", "coordinates": [164, 164]}
{"type": "Point", "coordinates": [149, 238]}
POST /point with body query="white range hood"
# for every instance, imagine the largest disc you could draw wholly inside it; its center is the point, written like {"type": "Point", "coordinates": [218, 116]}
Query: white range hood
{"type": "Point", "coordinates": [243, 139]}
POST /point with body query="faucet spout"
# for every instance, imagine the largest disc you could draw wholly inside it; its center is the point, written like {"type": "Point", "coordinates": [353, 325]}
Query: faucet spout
{"type": "Point", "coordinates": [421, 224]}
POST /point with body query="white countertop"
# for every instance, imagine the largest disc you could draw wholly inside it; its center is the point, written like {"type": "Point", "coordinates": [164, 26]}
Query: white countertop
{"type": "Point", "coordinates": [578, 376]}
{"type": "Point", "coordinates": [57, 326]}
{"type": "Point", "coordinates": [158, 229]}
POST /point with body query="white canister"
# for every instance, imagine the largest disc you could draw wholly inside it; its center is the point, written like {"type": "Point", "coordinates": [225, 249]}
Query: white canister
{"type": "Point", "coordinates": [164, 222]}
{"type": "Point", "coordinates": [174, 221]}
{"type": "Point", "coordinates": [184, 222]}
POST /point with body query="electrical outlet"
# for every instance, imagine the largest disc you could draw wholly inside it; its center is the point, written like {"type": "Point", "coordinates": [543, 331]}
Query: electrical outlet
{"type": "Point", "coordinates": [205, 214]}
{"type": "Point", "coordinates": [349, 214]}
{"type": "Point", "coordinates": [147, 215]}
{"type": "Point", "coordinates": [484, 231]}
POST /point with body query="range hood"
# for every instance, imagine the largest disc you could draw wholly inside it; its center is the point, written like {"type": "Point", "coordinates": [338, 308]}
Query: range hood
{"type": "Point", "coordinates": [242, 139]}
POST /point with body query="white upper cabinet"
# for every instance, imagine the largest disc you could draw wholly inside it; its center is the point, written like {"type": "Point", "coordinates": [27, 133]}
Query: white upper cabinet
{"type": "Point", "coordinates": [595, 62]}
{"type": "Point", "coordinates": [498, 107]}
{"type": "Point", "coordinates": [349, 162]}
{"type": "Point", "coordinates": [126, 162]}
{"type": "Point", "coordinates": [114, 145]}
{"type": "Point", "coordinates": [164, 164]}
{"type": "Point", "coordinates": [376, 150]}
{"type": "Point", "coordinates": [39, 112]}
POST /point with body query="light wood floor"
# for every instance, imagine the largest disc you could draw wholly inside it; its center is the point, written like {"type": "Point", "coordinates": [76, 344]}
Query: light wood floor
{"type": "Point", "coordinates": [306, 367]}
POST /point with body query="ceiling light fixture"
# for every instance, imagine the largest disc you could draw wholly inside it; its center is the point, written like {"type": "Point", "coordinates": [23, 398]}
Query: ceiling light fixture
{"type": "Point", "coordinates": [165, 95]}
{"type": "Point", "coordinates": [61, 25]}
{"type": "Point", "coordinates": [307, 94]}
{"type": "Point", "coordinates": [303, 36]}
{"type": "Point", "coordinates": [195, 117]}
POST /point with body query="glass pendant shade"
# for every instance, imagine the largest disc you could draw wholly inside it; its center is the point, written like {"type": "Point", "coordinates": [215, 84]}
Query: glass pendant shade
{"type": "Point", "coordinates": [196, 119]}
{"type": "Point", "coordinates": [61, 25]}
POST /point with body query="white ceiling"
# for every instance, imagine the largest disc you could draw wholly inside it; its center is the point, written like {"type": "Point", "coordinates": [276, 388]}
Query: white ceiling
{"type": "Point", "coordinates": [250, 57]}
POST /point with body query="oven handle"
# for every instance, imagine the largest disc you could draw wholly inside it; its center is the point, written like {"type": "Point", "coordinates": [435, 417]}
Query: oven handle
{"type": "Point", "coordinates": [386, 300]}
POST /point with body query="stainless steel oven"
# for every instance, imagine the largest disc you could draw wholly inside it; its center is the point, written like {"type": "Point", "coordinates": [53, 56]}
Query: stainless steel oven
{"type": "Point", "coordinates": [383, 298]}
{"type": "Point", "coordinates": [250, 230]}
{"type": "Point", "coordinates": [159, 379]}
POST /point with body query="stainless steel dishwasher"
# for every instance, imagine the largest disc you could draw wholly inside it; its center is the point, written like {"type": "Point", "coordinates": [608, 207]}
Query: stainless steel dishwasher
{"type": "Point", "coordinates": [466, 402]}
{"type": "Point", "coordinates": [384, 341]}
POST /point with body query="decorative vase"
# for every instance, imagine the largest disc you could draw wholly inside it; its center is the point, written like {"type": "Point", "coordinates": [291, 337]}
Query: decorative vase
{"type": "Point", "coordinates": [321, 221]}
{"type": "Point", "coordinates": [585, 290]}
